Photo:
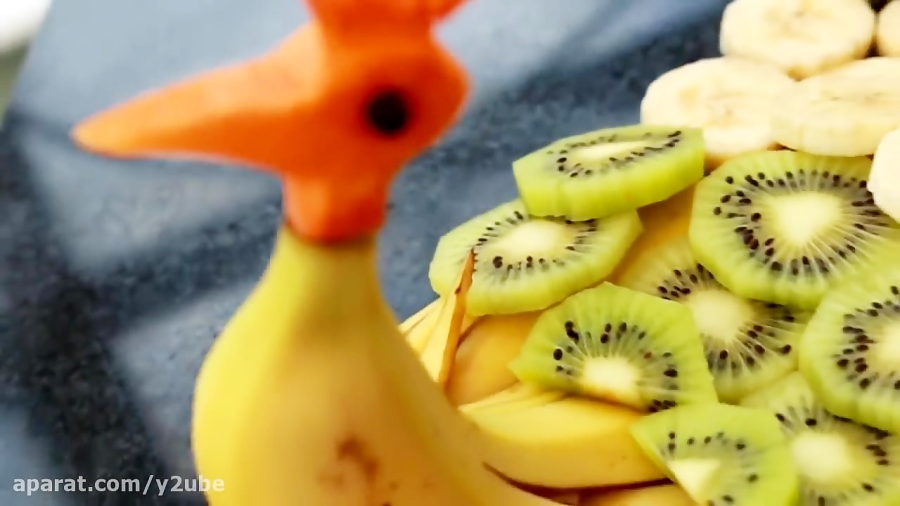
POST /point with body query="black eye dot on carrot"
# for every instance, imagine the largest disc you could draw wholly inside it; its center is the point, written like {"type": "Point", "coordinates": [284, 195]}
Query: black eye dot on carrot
{"type": "Point", "coordinates": [388, 112]}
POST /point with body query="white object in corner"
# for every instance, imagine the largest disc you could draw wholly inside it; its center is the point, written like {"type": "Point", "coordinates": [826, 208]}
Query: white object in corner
{"type": "Point", "coordinates": [20, 21]}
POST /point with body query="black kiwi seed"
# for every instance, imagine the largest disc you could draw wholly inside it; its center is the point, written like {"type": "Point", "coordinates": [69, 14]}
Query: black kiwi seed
{"type": "Point", "coordinates": [871, 451]}
{"type": "Point", "coordinates": [614, 337]}
{"type": "Point", "coordinates": [653, 142]}
{"type": "Point", "coordinates": [739, 358]}
{"type": "Point", "coordinates": [749, 207]}
{"type": "Point", "coordinates": [610, 332]}
{"type": "Point", "coordinates": [746, 451]}
{"type": "Point", "coordinates": [856, 332]}
{"type": "Point", "coordinates": [503, 263]}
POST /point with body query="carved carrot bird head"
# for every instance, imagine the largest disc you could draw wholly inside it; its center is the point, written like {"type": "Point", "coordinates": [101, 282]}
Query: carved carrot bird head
{"type": "Point", "coordinates": [335, 110]}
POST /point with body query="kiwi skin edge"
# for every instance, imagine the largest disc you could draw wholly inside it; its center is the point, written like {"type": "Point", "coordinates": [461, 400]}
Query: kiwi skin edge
{"type": "Point", "coordinates": [593, 341]}
{"type": "Point", "coordinates": [527, 264]}
{"type": "Point", "coordinates": [842, 354]}
{"type": "Point", "coordinates": [873, 455]}
{"type": "Point", "coordinates": [609, 171]}
{"type": "Point", "coordinates": [755, 462]}
{"type": "Point", "coordinates": [736, 230]}
{"type": "Point", "coordinates": [748, 344]}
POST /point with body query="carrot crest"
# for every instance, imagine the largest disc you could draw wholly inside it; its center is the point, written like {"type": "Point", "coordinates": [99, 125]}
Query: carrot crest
{"type": "Point", "coordinates": [334, 110]}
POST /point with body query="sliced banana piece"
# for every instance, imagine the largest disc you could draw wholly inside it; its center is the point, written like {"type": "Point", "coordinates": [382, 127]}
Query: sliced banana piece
{"type": "Point", "coordinates": [887, 34]}
{"type": "Point", "coordinates": [884, 179]}
{"type": "Point", "coordinates": [844, 112]}
{"type": "Point", "coordinates": [729, 98]}
{"type": "Point", "coordinates": [875, 67]}
{"type": "Point", "coordinates": [802, 37]}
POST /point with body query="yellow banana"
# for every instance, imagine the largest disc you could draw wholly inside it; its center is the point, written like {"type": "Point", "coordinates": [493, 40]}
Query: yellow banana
{"type": "Point", "coordinates": [440, 350]}
{"type": "Point", "coordinates": [488, 346]}
{"type": "Point", "coordinates": [564, 442]}
{"type": "Point", "coordinates": [481, 362]}
{"type": "Point", "coordinates": [427, 312]}
{"type": "Point", "coordinates": [567, 498]}
{"type": "Point", "coordinates": [339, 417]}
{"type": "Point", "coordinates": [658, 495]}
{"type": "Point", "coordinates": [434, 334]}
{"type": "Point", "coordinates": [516, 397]}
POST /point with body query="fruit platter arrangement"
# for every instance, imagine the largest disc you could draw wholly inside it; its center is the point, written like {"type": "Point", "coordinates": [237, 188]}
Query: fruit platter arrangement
{"type": "Point", "coordinates": [711, 296]}
{"type": "Point", "coordinates": [702, 308]}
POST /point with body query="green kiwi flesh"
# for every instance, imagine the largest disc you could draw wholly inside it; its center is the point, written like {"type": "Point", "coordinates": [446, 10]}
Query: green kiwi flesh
{"type": "Point", "coordinates": [785, 227]}
{"type": "Point", "coordinates": [721, 455]}
{"type": "Point", "coordinates": [609, 171]}
{"type": "Point", "coordinates": [850, 351]}
{"type": "Point", "coordinates": [840, 462]}
{"type": "Point", "coordinates": [527, 264]}
{"type": "Point", "coordinates": [748, 343]}
{"type": "Point", "coordinates": [618, 345]}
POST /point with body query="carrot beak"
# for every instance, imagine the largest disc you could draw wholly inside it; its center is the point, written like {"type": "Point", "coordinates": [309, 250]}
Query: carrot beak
{"type": "Point", "coordinates": [239, 113]}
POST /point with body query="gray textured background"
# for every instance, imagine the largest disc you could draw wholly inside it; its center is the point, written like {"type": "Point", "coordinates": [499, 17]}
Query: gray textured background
{"type": "Point", "coordinates": [117, 276]}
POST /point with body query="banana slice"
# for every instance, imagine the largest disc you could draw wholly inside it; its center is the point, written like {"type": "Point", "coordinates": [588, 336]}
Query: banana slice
{"type": "Point", "coordinates": [844, 112]}
{"type": "Point", "coordinates": [884, 179]}
{"type": "Point", "coordinates": [802, 37]}
{"type": "Point", "coordinates": [729, 98]}
{"type": "Point", "coordinates": [887, 34]}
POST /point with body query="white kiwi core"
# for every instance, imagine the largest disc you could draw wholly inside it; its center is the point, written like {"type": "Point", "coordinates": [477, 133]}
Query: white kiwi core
{"type": "Point", "coordinates": [804, 218]}
{"type": "Point", "coordinates": [602, 151]}
{"type": "Point", "coordinates": [612, 378]}
{"type": "Point", "coordinates": [694, 474]}
{"type": "Point", "coordinates": [822, 457]}
{"type": "Point", "coordinates": [536, 238]}
{"type": "Point", "coordinates": [887, 356]}
{"type": "Point", "coordinates": [719, 314]}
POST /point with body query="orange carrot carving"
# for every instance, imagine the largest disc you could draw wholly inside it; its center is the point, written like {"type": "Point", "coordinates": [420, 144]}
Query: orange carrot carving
{"type": "Point", "coordinates": [335, 110]}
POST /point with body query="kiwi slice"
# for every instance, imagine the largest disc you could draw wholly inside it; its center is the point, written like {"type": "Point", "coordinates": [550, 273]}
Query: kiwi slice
{"type": "Point", "coordinates": [785, 227]}
{"type": "Point", "coordinates": [748, 343]}
{"type": "Point", "coordinates": [618, 345]}
{"type": "Point", "coordinates": [722, 455]}
{"type": "Point", "coordinates": [527, 264]}
{"type": "Point", "coordinates": [850, 351]}
{"type": "Point", "coordinates": [841, 463]}
{"type": "Point", "coordinates": [609, 171]}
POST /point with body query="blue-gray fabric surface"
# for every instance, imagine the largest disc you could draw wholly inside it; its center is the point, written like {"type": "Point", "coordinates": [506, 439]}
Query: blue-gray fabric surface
{"type": "Point", "coordinates": [116, 276]}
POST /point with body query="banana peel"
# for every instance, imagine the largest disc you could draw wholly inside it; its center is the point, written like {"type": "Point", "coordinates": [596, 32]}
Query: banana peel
{"type": "Point", "coordinates": [566, 497]}
{"type": "Point", "coordinates": [515, 398]}
{"type": "Point", "coordinates": [480, 369]}
{"type": "Point", "coordinates": [434, 333]}
{"type": "Point", "coordinates": [657, 495]}
{"type": "Point", "coordinates": [426, 325]}
{"type": "Point", "coordinates": [565, 443]}
{"type": "Point", "coordinates": [410, 323]}
{"type": "Point", "coordinates": [419, 332]}
{"type": "Point", "coordinates": [533, 436]}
